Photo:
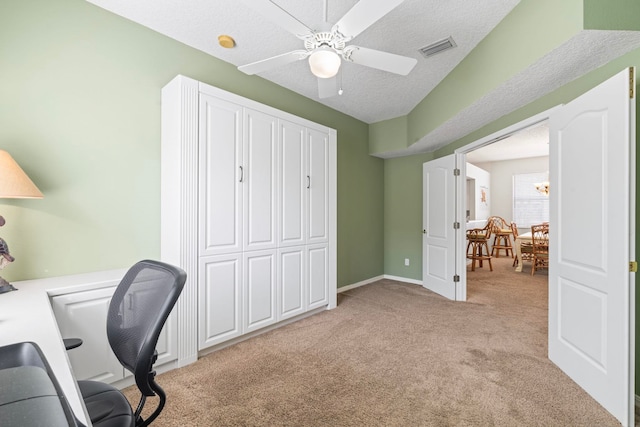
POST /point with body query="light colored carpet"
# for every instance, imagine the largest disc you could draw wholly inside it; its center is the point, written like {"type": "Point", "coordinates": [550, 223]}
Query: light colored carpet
{"type": "Point", "coordinates": [393, 354]}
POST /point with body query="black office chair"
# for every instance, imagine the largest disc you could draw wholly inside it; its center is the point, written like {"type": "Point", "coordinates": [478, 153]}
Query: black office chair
{"type": "Point", "coordinates": [137, 312]}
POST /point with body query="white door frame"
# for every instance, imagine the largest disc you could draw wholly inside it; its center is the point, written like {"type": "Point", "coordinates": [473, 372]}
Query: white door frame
{"type": "Point", "coordinates": [461, 197]}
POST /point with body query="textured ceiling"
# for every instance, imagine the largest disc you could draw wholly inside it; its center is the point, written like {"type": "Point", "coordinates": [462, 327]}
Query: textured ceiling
{"type": "Point", "coordinates": [372, 95]}
{"type": "Point", "coordinates": [369, 95]}
{"type": "Point", "coordinates": [582, 53]}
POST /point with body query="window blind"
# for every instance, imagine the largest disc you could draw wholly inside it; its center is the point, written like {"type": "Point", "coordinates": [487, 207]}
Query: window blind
{"type": "Point", "coordinates": [529, 206]}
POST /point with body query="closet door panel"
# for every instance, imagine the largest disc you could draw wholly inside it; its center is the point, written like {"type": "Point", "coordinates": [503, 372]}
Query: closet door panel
{"type": "Point", "coordinates": [259, 289]}
{"type": "Point", "coordinates": [317, 276]}
{"type": "Point", "coordinates": [318, 186]}
{"type": "Point", "coordinates": [292, 184]}
{"type": "Point", "coordinates": [291, 281]}
{"type": "Point", "coordinates": [220, 174]}
{"type": "Point", "coordinates": [219, 299]}
{"type": "Point", "coordinates": [260, 179]}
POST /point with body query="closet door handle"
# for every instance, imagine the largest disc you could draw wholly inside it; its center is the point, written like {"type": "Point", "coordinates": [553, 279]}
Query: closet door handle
{"type": "Point", "coordinates": [241, 174]}
{"type": "Point", "coordinates": [308, 181]}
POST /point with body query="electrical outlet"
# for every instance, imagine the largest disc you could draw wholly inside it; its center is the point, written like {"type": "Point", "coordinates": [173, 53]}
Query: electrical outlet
{"type": "Point", "coordinates": [406, 262]}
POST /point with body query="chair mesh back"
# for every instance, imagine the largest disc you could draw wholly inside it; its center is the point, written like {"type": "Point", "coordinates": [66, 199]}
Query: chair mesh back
{"type": "Point", "coordinates": [137, 312]}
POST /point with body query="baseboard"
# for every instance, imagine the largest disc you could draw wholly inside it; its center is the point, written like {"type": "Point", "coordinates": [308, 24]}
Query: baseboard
{"type": "Point", "coordinates": [362, 283]}
{"type": "Point", "coordinates": [403, 279]}
{"type": "Point", "coordinates": [375, 279]}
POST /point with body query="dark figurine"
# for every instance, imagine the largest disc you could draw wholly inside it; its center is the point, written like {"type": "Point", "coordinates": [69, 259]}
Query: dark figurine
{"type": "Point", "coordinates": [5, 258]}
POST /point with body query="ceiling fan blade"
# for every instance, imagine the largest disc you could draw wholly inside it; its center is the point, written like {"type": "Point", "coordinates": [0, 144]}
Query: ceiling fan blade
{"type": "Point", "coordinates": [382, 60]}
{"type": "Point", "coordinates": [327, 87]}
{"type": "Point", "coordinates": [363, 14]}
{"type": "Point", "coordinates": [273, 62]}
{"type": "Point", "coordinates": [279, 16]}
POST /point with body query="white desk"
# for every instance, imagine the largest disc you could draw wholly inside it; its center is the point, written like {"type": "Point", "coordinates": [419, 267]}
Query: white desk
{"type": "Point", "coordinates": [26, 315]}
{"type": "Point", "coordinates": [524, 237]}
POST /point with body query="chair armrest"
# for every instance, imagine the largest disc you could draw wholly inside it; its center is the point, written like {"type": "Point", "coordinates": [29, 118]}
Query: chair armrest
{"type": "Point", "coordinates": [71, 343]}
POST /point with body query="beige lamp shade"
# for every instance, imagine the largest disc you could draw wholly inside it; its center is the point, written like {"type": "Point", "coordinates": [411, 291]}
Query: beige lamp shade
{"type": "Point", "coordinates": [14, 183]}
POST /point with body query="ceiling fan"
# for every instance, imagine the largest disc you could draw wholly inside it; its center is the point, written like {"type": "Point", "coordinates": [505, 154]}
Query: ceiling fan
{"type": "Point", "coordinates": [327, 49]}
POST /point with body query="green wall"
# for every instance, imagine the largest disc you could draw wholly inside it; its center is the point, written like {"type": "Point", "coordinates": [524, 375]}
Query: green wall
{"type": "Point", "coordinates": [403, 215]}
{"type": "Point", "coordinates": [80, 112]}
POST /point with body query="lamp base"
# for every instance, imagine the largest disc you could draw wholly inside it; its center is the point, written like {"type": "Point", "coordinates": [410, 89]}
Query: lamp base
{"type": "Point", "coordinates": [6, 286]}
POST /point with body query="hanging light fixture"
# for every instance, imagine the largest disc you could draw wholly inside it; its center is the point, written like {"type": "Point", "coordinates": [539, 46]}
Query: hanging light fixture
{"type": "Point", "coordinates": [543, 187]}
{"type": "Point", "coordinates": [324, 62]}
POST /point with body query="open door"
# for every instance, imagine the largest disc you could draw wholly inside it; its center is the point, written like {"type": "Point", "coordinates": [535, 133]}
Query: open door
{"type": "Point", "coordinates": [592, 170]}
{"type": "Point", "coordinates": [438, 226]}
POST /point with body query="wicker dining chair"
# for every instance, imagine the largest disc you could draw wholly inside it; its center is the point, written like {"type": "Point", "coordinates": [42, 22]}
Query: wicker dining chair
{"type": "Point", "coordinates": [478, 246]}
{"type": "Point", "coordinates": [540, 245]}
{"type": "Point", "coordinates": [501, 236]}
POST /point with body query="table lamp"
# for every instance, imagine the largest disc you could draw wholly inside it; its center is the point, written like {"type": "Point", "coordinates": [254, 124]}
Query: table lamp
{"type": "Point", "coordinates": [14, 184]}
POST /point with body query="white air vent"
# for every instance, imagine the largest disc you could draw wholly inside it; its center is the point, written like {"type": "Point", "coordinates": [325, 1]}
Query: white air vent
{"type": "Point", "coordinates": [437, 47]}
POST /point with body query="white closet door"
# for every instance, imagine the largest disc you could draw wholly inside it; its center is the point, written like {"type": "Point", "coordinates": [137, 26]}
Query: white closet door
{"type": "Point", "coordinates": [318, 185]}
{"type": "Point", "coordinates": [317, 276]}
{"type": "Point", "coordinates": [291, 281]}
{"type": "Point", "coordinates": [292, 210]}
{"type": "Point", "coordinates": [259, 289]}
{"type": "Point", "coordinates": [220, 175]}
{"type": "Point", "coordinates": [260, 180]}
{"type": "Point", "coordinates": [219, 299]}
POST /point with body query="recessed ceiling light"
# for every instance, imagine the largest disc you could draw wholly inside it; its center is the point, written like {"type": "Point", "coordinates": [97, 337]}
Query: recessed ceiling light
{"type": "Point", "coordinates": [226, 41]}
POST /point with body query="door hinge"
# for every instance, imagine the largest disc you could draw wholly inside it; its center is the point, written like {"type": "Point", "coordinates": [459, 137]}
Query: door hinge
{"type": "Point", "coordinates": [456, 225]}
{"type": "Point", "coordinates": [633, 266]}
{"type": "Point", "coordinates": [632, 83]}
{"type": "Point", "coordinates": [456, 278]}
{"type": "Point", "coordinates": [456, 172]}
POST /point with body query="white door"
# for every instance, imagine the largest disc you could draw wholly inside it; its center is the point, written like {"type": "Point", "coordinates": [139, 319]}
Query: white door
{"type": "Point", "coordinates": [220, 152]}
{"type": "Point", "coordinates": [439, 216]}
{"type": "Point", "coordinates": [260, 180]}
{"type": "Point", "coordinates": [590, 287]}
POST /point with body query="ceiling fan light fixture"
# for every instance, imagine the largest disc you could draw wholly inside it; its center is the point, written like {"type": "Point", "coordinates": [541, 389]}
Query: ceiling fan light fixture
{"type": "Point", "coordinates": [324, 62]}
